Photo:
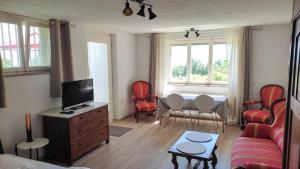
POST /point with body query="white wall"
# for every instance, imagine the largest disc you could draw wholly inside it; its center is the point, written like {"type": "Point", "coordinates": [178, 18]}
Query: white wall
{"type": "Point", "coordinates": [143, 44]}
{"type": "Point", "coordinates": [24, 94]}
{"type": "Point", "coordinates": [124, 72]}
{"type": "Point", "coordinates": [269, 56]}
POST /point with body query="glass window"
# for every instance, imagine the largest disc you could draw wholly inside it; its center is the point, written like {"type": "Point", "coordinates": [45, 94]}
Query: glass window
{"type": "Point", "coordinates": [220, 63]}
{"type": "Point", "coordinates": [39, 48]}
{"type": "Point", "coordinates": [179, 62]}
{"type": "Point", "coordinates": [200, 60]}
{"type": "Point", "coordinates": [10, 45]}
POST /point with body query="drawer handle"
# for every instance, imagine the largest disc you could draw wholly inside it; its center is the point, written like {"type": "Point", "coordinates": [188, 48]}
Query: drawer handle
{"type": "Point", "coordinates": [99, 111]}
{"type": "Point", "coordinates": [101, 121]}
{"type": "Point", "coordinates": [81, 118]}
{"type": "Point", "coordinates": [79, 131]}
{"type": "Point", "coordinates": [79, 145]}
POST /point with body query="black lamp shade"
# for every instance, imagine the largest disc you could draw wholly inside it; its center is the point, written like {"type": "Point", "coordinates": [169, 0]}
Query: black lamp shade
{"type": "Point", "coordinates": [187, 34]}
{"type": "Point", "coordinates": [197, 34]}
{"type": "Point", "coordinates": [127, 10]}
{"type": "Point", "coordinates": [142, 11]}
{"type": "Point", "coordinates": [151, 14]}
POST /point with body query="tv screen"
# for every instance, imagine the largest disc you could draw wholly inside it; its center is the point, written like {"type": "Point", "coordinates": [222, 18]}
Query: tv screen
{"type": "Point", "coordinates": [77, 92]}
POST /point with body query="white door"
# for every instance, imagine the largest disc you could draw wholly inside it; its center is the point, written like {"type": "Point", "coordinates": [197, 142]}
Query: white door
{"type": "Point", "coordinates": [99, 70]}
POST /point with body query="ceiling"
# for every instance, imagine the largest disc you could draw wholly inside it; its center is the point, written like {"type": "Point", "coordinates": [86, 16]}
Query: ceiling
{"type": "Point", "coordinates": [173, 15]}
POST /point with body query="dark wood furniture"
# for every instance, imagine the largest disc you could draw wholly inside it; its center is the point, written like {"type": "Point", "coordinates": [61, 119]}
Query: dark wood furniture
{"type": "Point", "coordinates": [209, 155]}
{"type": "Point", "coordinates": [291, 155]}
{"type": "Point", "coordinates": [1, 148]}
{"type": "Point", "coordinates": [72, 136]}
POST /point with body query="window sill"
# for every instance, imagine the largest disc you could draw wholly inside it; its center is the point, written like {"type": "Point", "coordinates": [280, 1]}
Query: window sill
{"type": "Point", "coordinates": [26, 73]}
{"type": "Point", "coordinates": [198, 84]}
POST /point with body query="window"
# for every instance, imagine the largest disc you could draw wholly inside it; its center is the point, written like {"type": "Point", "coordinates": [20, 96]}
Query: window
{"type": "Point", "coordinates": [24, 46]}
{"type": "Point", "coordinates": [39, 55]}
{"type": "Point", "coordinates": [199, 62]}
{"type": "Point", "coordinates": [179, 62]}
{"type": "Point", "coordinates": [10, 48]}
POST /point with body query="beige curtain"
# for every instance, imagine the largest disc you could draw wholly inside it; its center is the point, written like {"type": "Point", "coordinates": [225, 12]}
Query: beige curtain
{"type": "Point", "coordinates": [237, 49]}
{"type": "Point", "coordinates": [154, 55]}
{"type": "Point", "coordinates": [159, 63]}
{"type": "Point", "coordinates": [2, 89]}
{"type": "Point", "coordinates": [61, 56]}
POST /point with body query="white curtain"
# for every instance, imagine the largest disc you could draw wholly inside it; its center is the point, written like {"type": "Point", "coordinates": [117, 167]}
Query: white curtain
{"type": "Point", "coordinates": [236, 40]}
{"type": "Point", "coordinates": [161, 47]}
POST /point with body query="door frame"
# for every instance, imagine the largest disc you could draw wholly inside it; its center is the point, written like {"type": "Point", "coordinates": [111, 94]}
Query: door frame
{"type": "Point", "coordinates": [289, 114]}
{"type": "Point", "coordinates": [104, 38]}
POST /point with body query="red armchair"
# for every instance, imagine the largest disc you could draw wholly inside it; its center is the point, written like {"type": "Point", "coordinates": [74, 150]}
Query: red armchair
{"type": "Point", "coordinates": [268, 94]}
{"type": "Point", "coordinates": [143, 100]}
{"type": "Point", "coordinates": [261, 145]}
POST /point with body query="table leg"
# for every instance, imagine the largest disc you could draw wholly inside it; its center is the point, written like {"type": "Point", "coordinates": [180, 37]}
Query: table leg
{"type": "Point", "coordinates": [214, 158]}
{"type": "Point", "coordinates": [37, 154]}
{"type": "Point", "coordinates": [174, 161]}
{"type": "Point", "coordinates": [30, 153]}
{"type": "Point", "coordinates": [189, 159]}
{"type": "Point", "coordinates": [16, 150]}
{"type": "Point", "coordinates": [197, 164]}
{"type": "Point", "coordinates": [205, 164]}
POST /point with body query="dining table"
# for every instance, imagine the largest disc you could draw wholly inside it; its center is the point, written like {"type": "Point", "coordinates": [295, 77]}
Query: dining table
{"type": "Point", "coordinates": [221, 106]}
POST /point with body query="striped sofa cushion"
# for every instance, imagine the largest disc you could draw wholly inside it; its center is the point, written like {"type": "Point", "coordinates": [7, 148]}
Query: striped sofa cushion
{"type": "Point", "coordinates": [256, 153]}
{"type": "Point", "coordinates": [145, 106]}
{"type": "Point", "coordinates": [257, 116]}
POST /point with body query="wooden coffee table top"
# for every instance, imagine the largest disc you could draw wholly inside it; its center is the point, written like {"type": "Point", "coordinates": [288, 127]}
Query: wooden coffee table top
{"type": "Point", "coordinates": [208, 145]}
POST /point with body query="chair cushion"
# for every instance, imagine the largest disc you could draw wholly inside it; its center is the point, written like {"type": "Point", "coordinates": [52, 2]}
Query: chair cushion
{"type": "Point", "coordinates": [257, 116]}
{"type": "Point", "coordinates": [256, 153]}
{"type": "Point", "coordinates": [145, 106]}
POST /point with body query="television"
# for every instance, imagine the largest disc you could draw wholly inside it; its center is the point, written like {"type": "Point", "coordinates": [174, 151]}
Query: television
{"type": "Point", "coordinates": [76, 94]}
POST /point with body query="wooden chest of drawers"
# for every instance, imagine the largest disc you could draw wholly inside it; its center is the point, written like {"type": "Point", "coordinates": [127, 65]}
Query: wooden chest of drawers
{"type": "Point", "coordinates": [70, 138]}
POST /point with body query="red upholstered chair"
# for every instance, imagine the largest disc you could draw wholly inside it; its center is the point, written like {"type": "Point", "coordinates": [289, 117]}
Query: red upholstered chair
{"type": "Point", "coordinates": [268, 95]}
{"type": "Point", "coordinates": [143, 100]}
{"type": "Point", "coordinates": [261, 145]}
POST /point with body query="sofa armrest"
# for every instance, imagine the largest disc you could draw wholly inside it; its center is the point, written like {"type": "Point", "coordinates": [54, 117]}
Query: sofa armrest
{"type": "Point", "coordinates": [256, 130]}
{"type": "Point", "coordinates": [153, 98]}
{"type": "Point", "coordinates": [251, 102]}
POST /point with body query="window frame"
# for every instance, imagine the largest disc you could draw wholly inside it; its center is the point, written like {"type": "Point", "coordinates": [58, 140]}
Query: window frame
{"type": "Point", "coordinates": [189, 43]}
{"type": "Point", "coordinates": [21, 21]}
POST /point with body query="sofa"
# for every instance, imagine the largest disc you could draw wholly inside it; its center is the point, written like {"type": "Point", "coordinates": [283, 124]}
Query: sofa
{"type": "Point", "coordinates": [261, 145]}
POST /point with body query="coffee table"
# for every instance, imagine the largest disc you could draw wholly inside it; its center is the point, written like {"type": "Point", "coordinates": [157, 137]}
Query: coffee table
{"type": "Point", "coordinates": [207, 156]}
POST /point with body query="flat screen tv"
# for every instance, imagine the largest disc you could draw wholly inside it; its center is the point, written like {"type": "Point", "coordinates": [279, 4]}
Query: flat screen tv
{"type": "Point", "coordinates": [76, 93]}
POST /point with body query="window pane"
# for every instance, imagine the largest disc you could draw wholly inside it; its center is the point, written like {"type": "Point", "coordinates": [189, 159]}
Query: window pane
{"type": "Point", "coordinates": [9, 45]}
{"type": "Point", "coordinates": [179, 63]}
{"type": "Point", "coordinates": [39, 48]}
{"type": "Point", "coordinates": [220, 63]}
{"type": "Point", "coordinates": [200, 55]}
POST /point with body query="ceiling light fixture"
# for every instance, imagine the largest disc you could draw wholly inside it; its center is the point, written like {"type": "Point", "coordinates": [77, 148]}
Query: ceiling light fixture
{"type": "Point", "coordinates": [192, 30]}
{"type": "Point", "coordinates": [151, 14]}
{"type": "Point", "coordinates": [142, 11]}
{"type": "Point", "coordinates": [186, 34]}
{"type": "Point", "coordinates": [128, 11]}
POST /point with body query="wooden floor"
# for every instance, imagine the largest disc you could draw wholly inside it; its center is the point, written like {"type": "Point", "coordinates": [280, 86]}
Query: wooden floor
{"type": "Point", "coordinates": [146, 146]}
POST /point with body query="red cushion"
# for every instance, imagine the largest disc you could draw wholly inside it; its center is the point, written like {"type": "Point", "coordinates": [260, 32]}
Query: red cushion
{"type": "Point", "coordinates": [256, 153]}
{"type": "Point", "coordinates": [145, 106]}
{"type": "Point", "coordinates": [140, 90]}
{"type": "Point", "coordinates": [257, 116]}
{"type": "Point", "coordinates": [270, 93]}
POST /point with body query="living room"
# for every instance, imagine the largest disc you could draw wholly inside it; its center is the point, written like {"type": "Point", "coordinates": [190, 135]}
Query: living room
{"type": "Point", "coordinates": [226, 50]}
